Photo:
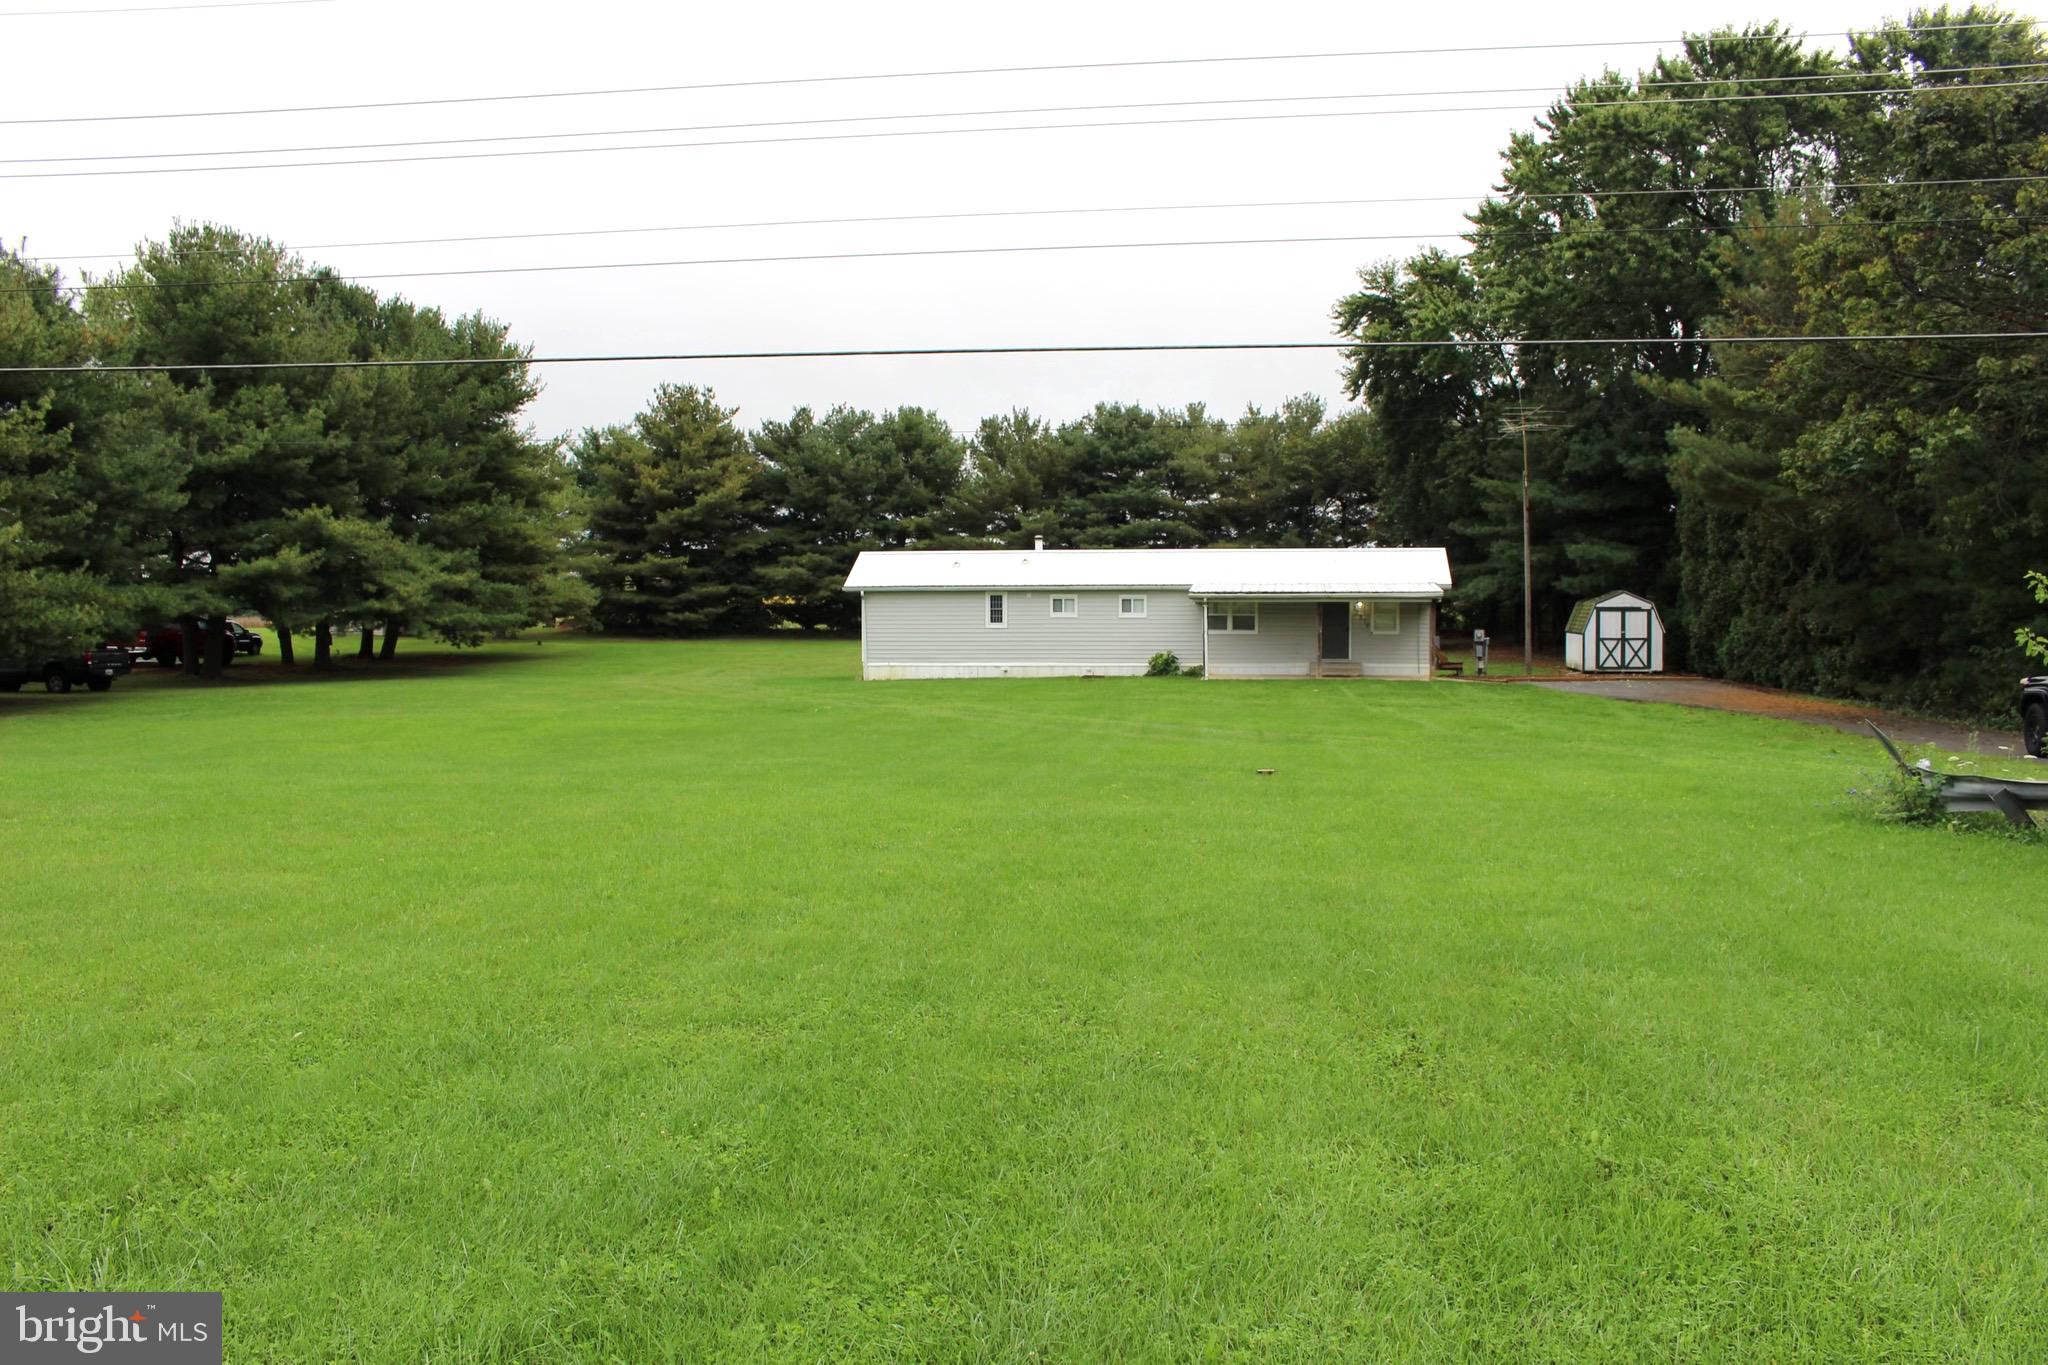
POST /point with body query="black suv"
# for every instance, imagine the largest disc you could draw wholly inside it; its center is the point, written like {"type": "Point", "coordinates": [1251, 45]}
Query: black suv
{"type": "Point", "coordinates": [2034, 714]}
{"type": "Point", "coordinates": [97, 669]}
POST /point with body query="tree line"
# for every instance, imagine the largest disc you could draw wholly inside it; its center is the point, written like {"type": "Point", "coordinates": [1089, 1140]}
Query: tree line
{"type": "Point", "coordinates": [1855, 519]}
{"type": "Point", "coordinates": [696, 526]}
{"type": "Point", "coordinates": [406, 500]}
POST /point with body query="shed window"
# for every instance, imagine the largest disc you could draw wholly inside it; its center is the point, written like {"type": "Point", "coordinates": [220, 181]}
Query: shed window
{"type": "Point", "coordinates": [998, 608]}
{"type": "Point", "coordinates": [1234, 618]}
{"type": "Point", "coordinates": [1130, 606]}
{"type": "Point", "coordinates": [1386, 618]}
{"type": "Point", "coordinates": [1066, 608]}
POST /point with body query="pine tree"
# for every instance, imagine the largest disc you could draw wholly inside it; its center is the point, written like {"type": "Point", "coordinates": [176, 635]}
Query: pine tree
{"type": "Point", "coordinates": [677, 506]}
{"type": "Point", "coordinates": [849, 482]}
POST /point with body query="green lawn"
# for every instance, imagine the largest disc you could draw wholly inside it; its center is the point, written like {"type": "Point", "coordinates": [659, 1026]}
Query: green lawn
{"type": "Point", "coordinates": [621, 1001]}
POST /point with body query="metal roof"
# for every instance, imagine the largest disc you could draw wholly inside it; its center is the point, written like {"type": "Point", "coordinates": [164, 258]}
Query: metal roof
{"type": "Point", "coordinates": [1374, 572]}
{"type": "Point", "coordinates": [1312, 591]}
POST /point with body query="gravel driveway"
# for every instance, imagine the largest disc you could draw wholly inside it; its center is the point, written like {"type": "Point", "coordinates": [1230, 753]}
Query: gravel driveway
{"type": "Point", "coordinates": [1765, 701]}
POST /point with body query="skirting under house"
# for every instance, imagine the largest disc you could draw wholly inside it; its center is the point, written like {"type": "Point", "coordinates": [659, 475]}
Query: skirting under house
{"type": "Point", "coordinates": [1235, 613]}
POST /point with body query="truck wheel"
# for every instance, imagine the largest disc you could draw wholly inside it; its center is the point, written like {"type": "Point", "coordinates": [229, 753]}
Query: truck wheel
{"type": "Point", "coordinates": [99, 684]}
{"type": "Point", "coordinates": [166, 658]}
{"type": "Point", "coordinates": [2034, 729]}
{"type": "Point", "coordinates": [55, 681]}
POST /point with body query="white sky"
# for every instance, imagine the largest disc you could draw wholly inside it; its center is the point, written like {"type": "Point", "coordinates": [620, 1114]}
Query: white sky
{"type": "Point", "coordinates": [356, 50]}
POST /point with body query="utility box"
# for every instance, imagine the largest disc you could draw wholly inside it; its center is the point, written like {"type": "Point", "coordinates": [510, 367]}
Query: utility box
{"type": "Point", "coordinates": [1479, 653]}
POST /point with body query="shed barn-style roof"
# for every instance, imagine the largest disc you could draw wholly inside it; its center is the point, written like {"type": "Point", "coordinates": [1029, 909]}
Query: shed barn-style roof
{"type": "Point", "coordinates": [1358, 573]}
{"type": "Point", "coordinates": [1582, 614]}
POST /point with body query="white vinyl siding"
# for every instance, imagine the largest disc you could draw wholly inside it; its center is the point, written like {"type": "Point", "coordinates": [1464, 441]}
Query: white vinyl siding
{"type": "Point", "coordinates": [1403, 653]}
{"type": "Point", "coordinates": [1284, 643]}
{"type": "Point", "coordinates": [945, 633]}
{"type": "Point", "coordinates": [910, 634]}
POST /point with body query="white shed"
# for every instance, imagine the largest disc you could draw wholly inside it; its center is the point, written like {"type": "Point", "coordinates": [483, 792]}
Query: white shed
{"type": "Point", "coordinates": [1618, 632]}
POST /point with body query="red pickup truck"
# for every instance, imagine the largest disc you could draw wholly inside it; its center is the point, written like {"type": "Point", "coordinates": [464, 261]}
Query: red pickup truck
{"type": "Point", "coordinates": [166, 643]}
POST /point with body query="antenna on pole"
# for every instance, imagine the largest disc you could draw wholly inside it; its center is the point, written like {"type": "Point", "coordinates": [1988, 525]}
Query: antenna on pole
{"type": "Point", "coordinates": [1520, 420]}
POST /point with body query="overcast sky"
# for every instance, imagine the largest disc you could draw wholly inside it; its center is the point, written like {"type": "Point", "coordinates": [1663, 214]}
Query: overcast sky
{"type": "Point", "coordinates": [367, 50]}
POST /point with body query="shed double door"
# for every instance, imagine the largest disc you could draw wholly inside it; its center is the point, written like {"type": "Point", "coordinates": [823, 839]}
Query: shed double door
{"type": "Point", "coordinates": [1624, 635]}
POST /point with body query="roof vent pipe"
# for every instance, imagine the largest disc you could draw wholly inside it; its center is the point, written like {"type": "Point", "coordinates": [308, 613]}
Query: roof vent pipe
{"type": "Point", "coordinates": [1038, 542]}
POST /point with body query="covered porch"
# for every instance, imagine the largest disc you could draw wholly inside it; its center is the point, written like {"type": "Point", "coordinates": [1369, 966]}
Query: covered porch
{"type": "Point", "coordinates": [1264, 635]}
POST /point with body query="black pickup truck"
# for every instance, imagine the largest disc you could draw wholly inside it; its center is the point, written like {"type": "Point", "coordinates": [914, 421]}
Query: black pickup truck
{"type": "Point", "coordinates": [95, 668]}
{"type": "Point", "coordinates": [2034, 714]}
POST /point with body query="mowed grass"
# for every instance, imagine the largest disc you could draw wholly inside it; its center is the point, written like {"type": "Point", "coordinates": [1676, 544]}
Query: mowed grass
{"type": "Point", "coordinates": [625, 1001]}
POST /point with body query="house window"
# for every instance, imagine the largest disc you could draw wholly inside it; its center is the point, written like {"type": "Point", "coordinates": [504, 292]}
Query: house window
{"type": "Point", "coordinates": [1234, 618]}
{"type": "Point", "coordinates": [998, 608]}
{"type": "Point", "coordinates": [1066, 608]}
{"type": "Point", "coordinates": [1386, 618]}
{"type": "Point", "coordinates": [1130, 606]}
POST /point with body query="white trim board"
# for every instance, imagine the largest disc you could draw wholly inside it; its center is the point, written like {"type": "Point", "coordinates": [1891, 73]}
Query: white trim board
{"type": "Point", "coordinates": [1036, 669]}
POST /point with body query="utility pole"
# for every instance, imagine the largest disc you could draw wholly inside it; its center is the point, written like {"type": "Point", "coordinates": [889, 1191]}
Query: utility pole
{"type": "Point", "coordinates": [1522, 419]}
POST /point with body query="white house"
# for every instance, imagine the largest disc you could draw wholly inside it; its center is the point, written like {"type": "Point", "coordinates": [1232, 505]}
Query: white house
{"type": "Point", "coordinates": [1615, 633]}
{"type": "Point", "coordinates": [1235, 613]}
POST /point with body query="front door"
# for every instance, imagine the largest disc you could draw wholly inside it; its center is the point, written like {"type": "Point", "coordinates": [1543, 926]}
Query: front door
{"type": "Point", "coordinates": [1336, 630]}
{"type": "Point", "coordinates": [1624, 640]}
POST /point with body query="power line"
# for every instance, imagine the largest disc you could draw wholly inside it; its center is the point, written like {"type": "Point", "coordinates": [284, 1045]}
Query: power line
{"type": "Point", "coordinates": [292, 281]}
{"type": "Point", "coordinates": [1549, 91]}
{"type": "Point", "coordinates": [969, 71]}
{"type": "Point", "coordinates": [1836, 186]}
{"type": "Point", "coordinates": [463, 362]}
{"type": "Point", "coordinates": [1951, 88]}
{"type": "Point", "coordinates": [996, 128]}
{"type": "Point", "coordinates": [153, 9]}
{"type": "Point", "coordinates": [789, 259]}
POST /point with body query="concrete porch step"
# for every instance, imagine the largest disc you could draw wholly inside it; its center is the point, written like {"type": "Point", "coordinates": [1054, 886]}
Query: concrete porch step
{"type": "Point", "coordinates": [1338, 668]}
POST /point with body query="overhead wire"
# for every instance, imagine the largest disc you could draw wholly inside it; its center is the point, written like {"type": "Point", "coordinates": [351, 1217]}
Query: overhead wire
{"type": "Point", "coordinates": [1353, 344]}
{"type": "Point", "coordinates": [969, 215]}
{"type": "Point", "coordinates": [877, 134]}
{"type": "Point", "coordinates": [1020, 111]}
{"type": "Point", "coordinates": [1345, 344]}
{"type": "Point", "coordinates": [152, 9]}
{"type": "Point", "coordinates": [550, 268]}
{"type": "Point", "coordinates": [1035, 68]}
